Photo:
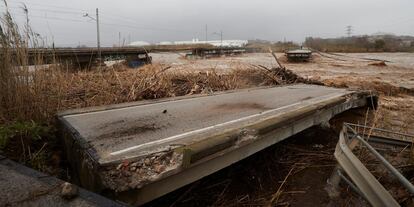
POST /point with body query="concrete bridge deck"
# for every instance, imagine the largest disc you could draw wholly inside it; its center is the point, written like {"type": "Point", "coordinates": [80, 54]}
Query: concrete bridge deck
{"type": "Point", "coordinates": [88, 56]}
{"type": "Point", "coordinates": [166, 144]}
{"type": "Point", "coordinates": [84, 56]}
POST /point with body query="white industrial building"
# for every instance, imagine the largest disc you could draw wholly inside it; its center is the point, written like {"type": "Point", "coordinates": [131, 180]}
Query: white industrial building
{"type": "Point", "coordinates": [217, 43]}
{"type": "Point", "coordinates": [139, 44]}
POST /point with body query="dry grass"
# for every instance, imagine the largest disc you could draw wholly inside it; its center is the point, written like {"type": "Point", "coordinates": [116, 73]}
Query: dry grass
{"type": "Point", "coordinates": [54, 89]}
{"type": "Point", "coordinates": [48, 91]}
{"type": "Point", "coordinates": [20, 87]}
{"type": "Point", "coordinates": [32, 94]}
{"type": "Point", "coordinates": [36, 93]}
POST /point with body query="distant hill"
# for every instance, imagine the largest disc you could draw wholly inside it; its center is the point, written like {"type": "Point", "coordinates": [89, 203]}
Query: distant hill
{"type": "Point", "coordinates": [379, 42]}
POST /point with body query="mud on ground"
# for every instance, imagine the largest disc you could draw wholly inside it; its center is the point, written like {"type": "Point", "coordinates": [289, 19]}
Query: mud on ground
{"type": "Point", "coordinates": [393, 78]}
{"type": "Point", "coordinates": [294, 172]}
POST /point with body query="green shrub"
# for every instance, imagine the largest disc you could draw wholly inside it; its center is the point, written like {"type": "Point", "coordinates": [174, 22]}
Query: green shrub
{"type": "Point", "coordinates": [29, 131]}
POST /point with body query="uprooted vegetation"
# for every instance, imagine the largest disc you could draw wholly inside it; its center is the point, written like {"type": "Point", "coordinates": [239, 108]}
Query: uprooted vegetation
{"type": "Point", "coordinates": [37, 101]}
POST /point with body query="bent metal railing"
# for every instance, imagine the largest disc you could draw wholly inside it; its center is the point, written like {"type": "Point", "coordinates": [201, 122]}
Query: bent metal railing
{"type": "Point", "coordinates": [361, 179]}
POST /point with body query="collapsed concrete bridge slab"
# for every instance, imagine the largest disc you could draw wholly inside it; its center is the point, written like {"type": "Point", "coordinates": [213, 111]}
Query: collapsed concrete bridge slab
{"type": "Point", "coordinates": [139, 151]}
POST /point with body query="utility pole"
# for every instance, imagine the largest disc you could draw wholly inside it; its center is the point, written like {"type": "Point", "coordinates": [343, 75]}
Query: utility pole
{"type": "Point", "coordinates": [119, 39]}
{"type": "Point", "coordinates": [206, 33]}
{"type": "Point", "coordinates": [98, 35]}
{"type": "Point", "coordinates": [349, 30]}
{"type": "Point", "coordinates": [221, 38]}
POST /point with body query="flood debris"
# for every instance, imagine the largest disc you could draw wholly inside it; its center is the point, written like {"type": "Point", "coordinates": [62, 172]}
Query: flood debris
{"type": "Point", "coordinates": [281, 75]}
{"type": "Point", "coordinates": [378, 63]}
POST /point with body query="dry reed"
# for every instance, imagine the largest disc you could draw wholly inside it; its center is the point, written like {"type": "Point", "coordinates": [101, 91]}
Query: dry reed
{"type": "Point", "coordinates": [31, 92]}
{"type": "Point", "coordinates": [36, 92]}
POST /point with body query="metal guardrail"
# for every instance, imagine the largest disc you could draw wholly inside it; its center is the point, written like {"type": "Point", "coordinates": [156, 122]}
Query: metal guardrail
{"type": "Point", "coordinates": [390, 135]}
{"type": "Point", "coordinates": [362, 180]}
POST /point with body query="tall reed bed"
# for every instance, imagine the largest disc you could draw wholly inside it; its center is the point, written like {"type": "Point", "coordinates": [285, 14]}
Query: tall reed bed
{"type": "Point", "coordinates": [23, 94]}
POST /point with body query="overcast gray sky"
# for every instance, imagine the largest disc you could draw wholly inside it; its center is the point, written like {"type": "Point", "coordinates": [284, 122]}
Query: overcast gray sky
{"type": "Point", "coordinates": [170, 20]}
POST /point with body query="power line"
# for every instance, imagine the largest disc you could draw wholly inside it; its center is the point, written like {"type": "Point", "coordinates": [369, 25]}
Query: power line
{"type": "Point", "coordinates": [112, 16]}
{"type": "Point", "coordinates": [128, 25]}
{"type": "Point", "coordinates": [82, 21]}
{"type": "Point", "coordinates": [59, 10]}
{"type": "Point", "coordinates": [52, 18]}
{"type": "Point", "coordinates": [127, 20]}
{"type": "Point", "coordinates": [48, 6]}
{"type": "Point", "coordinates": [69, 10]}
{"type": "Point", "coordinates": [45, 10]}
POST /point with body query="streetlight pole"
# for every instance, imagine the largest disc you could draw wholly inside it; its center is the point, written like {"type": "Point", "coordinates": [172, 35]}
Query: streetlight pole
{"type": "Point", "coordinates": [97, 33]}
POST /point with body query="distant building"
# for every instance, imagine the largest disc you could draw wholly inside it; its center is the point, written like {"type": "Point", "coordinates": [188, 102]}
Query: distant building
{"type": "Point", "coordinates": [165, 43]}
{"type": "Point", "coordinates": [217, 43]}
{"type": "Point", "coordinates": [139, 44]}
